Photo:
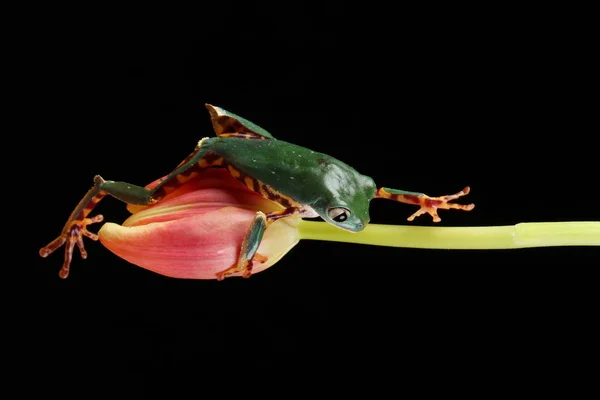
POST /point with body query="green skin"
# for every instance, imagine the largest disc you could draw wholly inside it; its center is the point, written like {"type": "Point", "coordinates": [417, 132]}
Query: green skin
{"type": "Point", "coordinates": [318, 185]}
{"type": "Point", "coordinates": [312, 179]}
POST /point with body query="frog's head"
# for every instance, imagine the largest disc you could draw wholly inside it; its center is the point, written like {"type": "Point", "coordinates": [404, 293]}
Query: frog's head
{"type": "Point", "coordinates": [347, 202]}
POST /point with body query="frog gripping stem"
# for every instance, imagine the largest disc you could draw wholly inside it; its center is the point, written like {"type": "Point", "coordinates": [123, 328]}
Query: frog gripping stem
{"type": "Point", "coordinates": [429, 205]}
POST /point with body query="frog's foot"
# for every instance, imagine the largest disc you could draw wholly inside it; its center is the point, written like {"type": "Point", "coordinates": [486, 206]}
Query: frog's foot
{"type": "Point", "coordinates": [72, 235]}
{"type": "Point", "coordinates": [430, 205]}
{"type": "Point", "coordinates": [244, 266]}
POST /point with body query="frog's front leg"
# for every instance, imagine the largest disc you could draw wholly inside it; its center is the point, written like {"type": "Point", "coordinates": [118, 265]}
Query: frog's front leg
{"type": "Point", "coordinates": [252, 241]}
{"type": "Point", "coordinates": [428, 205]}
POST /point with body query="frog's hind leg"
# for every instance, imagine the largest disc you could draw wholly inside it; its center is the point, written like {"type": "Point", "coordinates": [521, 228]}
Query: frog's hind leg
{"type": "Point", "coordinates": [76, 225]}
{"type": "Point", "coordinates": [188, 169]}
{"type": "Point", "coordinates": [428, 205]}
{"type": "Point", "coordinates": [228, 124]}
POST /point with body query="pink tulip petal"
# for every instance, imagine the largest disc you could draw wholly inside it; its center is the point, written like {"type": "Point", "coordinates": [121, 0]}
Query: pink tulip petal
{"type": "Point", "coordinates": [198, 230]}
{"type": "Point", "coordinates": [199, 202]}
{"type": "Point", "coordinates": [211, 178]}
{"type": "Point", "coordinates": [196, 247]}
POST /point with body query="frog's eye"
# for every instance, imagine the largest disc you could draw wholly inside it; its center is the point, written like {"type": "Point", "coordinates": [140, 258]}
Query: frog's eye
{"type": "Point", "coordinates": [338, 214]}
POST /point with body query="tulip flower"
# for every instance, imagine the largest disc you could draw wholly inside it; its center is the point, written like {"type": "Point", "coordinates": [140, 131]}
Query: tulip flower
{"type": "Point", "coordinates": [197, 230]}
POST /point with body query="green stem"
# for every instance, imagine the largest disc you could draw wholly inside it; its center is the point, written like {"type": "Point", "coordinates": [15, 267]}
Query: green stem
{"type": "Point", "coordinates": [530, 234]}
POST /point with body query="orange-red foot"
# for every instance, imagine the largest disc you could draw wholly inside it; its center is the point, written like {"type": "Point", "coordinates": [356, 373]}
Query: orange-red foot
{"type": "Point", "coordinates": [247, 268]}
{"type": "Point", "coordinates": [72, 234]}
{"type": "Point", "coordinates": [430, 205]}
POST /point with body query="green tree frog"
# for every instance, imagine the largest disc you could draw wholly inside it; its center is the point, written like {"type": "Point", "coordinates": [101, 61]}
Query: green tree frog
{"type": "Point", "coordinates": [305, 183]}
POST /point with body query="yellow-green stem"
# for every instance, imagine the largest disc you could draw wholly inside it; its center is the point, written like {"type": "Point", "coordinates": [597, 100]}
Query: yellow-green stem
{"type": "Point", "coordinates": [530, 234]}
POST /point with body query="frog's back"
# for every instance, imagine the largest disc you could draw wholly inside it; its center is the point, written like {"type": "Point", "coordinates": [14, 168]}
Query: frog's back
{"type": "Point", "coordinates": [290, 169]}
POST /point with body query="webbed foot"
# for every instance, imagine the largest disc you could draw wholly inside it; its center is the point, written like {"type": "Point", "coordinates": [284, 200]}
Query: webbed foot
{"type": "Point", "coordinates": [72, 235]}
{"type": "Point", "coordinates": [430, 205]}
{"type": "Point", "coordinates": [245, 267]}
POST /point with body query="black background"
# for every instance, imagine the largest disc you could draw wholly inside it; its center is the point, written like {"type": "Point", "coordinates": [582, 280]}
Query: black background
{"type": "Point", "coordinates": [427, 101]}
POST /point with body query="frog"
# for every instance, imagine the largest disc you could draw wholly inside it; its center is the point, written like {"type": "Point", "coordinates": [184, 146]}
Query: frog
{"type": "Point", "coordinates": [304, 182]}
